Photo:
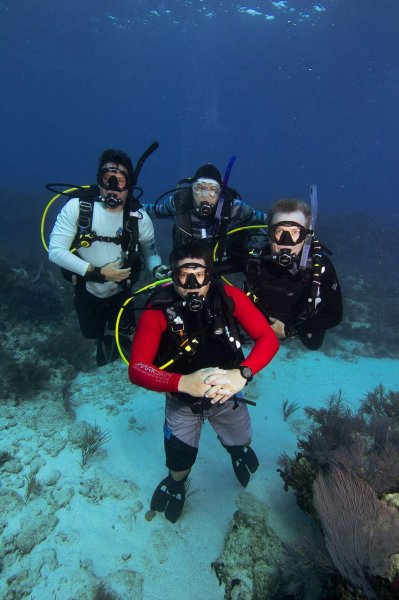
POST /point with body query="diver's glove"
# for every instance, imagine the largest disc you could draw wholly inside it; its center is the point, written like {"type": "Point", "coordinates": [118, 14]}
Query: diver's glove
{"type": "Point", "coordinates": [95, 275]}
{"type": "Point", "coordinates": [161, 272]}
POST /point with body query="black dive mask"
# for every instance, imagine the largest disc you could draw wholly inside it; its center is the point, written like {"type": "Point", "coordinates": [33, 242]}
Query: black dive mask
{"type": "Point", "coordinates": [284, 258]}
{"type": "Point", "coordinates": [191, 281]}
{"type": "Point", "coordinates": [113, 179]}
{"type": "Point", "coordinates": [205, 209]}
{"type": "Point", "coordinates": [287, 238]}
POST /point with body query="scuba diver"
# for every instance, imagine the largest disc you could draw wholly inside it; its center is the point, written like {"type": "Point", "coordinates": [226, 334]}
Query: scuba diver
{"type": "Point", "coordinates": [290, 277]}
{"type": "Point", "coordinates": [98, 240]}
{"type": "Point", "coordinates": [206, 209]}
{"type": "Point", "coordinates": [187, 345]}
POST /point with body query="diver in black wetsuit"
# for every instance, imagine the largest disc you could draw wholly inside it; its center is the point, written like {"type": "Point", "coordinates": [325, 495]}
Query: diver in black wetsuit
{"type": "Point", "coordinates": [291, 279]}
{"type": "Point", "coordinates": [205, 210]}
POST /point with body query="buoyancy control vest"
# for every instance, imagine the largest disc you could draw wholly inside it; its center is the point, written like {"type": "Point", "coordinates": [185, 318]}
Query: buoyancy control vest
{"type": "Point", "coordinates": [189, 224]}
{"type": "Point", "coordinates": [212, 332]}
{"type": "Point", "coordinates": [85, 236]}
{"type": "Point", "coordinates": [129, 239]}
{"type": "Point", "coordinates": [283, 294]}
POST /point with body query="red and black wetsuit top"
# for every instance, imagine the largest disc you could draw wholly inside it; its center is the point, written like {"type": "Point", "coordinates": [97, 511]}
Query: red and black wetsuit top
{"type": "Point", "coordinates": [153, 338]}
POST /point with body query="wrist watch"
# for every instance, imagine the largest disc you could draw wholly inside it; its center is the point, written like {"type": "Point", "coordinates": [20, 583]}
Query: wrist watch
{"type": "Point", "coordinates": [290, 331]}
{"type": "Point", "coordinates": [95, 275]}
{"type": "Point", "coordinates": [246, 372]}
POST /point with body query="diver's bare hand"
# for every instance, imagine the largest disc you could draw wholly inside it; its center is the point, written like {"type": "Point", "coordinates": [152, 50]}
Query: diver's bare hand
{"type": "Point", "coordinates": [194, 384]}
{"type": "Point", "coordinates": [114, 272]}
{"type": "Point", "coordinates": [278, 328]}
{"type": "Point", "coordinates": [225, 385]}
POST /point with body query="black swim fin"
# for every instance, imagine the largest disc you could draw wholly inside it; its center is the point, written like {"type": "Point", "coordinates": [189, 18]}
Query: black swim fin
{"type": "Point", "coordinates": [169, 498]}
{"type": "Point", "coordinates": [244, 462]}
{"type": "Point", "coordinates": [107, 350]}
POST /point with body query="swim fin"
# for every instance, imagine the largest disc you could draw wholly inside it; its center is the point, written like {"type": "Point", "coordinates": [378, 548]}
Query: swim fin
{"type": "Point", "coordinates": [107, 351]}
{"type": "Point", "coordinates": [169, 498]}
{"type": "Point", "coordinates": [244, 462]}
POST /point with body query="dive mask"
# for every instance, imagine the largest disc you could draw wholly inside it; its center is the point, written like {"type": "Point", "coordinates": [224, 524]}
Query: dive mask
{"type": "Point", "coordinates": [205, 188]}
{"type": "Point", "coordinates": [191, 276]}
{"type": "Point", "coordinates": [280, 235]}
{"type": "Point", "coordinates": [113, 179]}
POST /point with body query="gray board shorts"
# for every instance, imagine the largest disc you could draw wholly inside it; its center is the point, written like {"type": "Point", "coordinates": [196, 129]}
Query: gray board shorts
{"type": "Point", "coordinates": [233, 427]}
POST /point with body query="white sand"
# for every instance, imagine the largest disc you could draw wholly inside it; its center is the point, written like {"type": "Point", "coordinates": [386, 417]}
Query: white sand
{"type": "Point", "coordinates": [175, 559]}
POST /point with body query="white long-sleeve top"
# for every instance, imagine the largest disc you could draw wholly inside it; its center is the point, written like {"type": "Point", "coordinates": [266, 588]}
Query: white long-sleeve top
{"type": "Point", "coordinates": [105, 223]}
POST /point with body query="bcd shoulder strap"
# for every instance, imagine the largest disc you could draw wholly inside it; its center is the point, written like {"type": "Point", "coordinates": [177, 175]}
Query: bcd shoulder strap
{"type": "Point", "coordinates": [85, 236]}
{"type": "Point", "coordinates": [130, 241]}
{"type": "Point", "coordinates": [183, 231]}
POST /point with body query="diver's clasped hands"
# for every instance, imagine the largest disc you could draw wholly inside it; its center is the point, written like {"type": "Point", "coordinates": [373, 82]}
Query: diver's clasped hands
{"type": "Point", "coordinates": [216, 384]}
{"type": "Point", "coordinates": [224, 385]}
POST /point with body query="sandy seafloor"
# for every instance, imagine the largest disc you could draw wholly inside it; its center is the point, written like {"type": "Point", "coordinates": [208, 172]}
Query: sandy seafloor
{"type": "Point", "coordinates": [101, 527]}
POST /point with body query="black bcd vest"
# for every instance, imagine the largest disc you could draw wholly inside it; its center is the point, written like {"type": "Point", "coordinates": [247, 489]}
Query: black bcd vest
{"type": "Point", "coordinates": [188, 223]}
{"type": "Point", "coordinates": [85, 236]}
{"type": "Point", "coordinates": [214, 329]}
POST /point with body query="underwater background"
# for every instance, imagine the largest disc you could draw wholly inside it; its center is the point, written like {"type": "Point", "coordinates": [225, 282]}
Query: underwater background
{"type": "Point", "coordinates": [302, 92]}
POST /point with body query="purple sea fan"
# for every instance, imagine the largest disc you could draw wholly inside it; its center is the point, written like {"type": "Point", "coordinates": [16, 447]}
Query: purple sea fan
{"type": "Point", "coordinates": [361, 532]}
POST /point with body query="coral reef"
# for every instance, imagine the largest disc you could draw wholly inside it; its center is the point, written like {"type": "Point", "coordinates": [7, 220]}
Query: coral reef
{"type": "Point", "coordinates": [31, 293]}
{"type": "Point", "coordinates": [289, 408]}
{"type": "Point", "coordinates": [381, 403]}
{"type": "Point", "coordinates": [33, 486]}
{"type": "Point", "coordinates": [102, 592]}
{"type": "Point", "coordinates": [361, 532]}
{"type": "Point", "coordinates": [305, 567]}
{"type": "Point", "coordinates": [249, 562]}
{"type": "Point", "coordinates": [21, 380]}
{"type": "Point", "coordinates": [345, 466]}
{"type": "Point", "coordinates": [67, 346]}
{"type": "Point", "coordinates": [35, 343]}
{"type": "Point", "coordinates": [4, 457]}
{"type": "Point", "coordinates": [332, 427]}
{"type": "Point", "coordinates": [92, 439]}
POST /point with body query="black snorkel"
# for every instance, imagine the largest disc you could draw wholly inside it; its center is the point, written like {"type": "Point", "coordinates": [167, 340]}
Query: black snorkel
{"type": "Point", "coordinates": [132, 203]}
{"type": "Point", "coordinates": [154, 146]}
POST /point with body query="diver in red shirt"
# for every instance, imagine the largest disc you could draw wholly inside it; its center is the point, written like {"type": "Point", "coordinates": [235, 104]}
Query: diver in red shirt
{"type": "Point", "coordinates": [187, 345]}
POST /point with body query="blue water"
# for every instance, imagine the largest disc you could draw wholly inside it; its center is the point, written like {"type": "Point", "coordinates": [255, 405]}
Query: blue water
{"type": "Point", "coordinates": [301, 91]}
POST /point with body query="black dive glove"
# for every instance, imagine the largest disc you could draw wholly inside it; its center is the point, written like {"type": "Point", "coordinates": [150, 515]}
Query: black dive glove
{"type": "Point", "coordinates": [95, 275]}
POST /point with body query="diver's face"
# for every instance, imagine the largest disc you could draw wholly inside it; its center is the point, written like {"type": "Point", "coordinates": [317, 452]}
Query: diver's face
{"type": "Point", "coordinates": [293, 233]}
{"type": "Point", "coordinates": [288, 232]}
{"type": "Point", "coordinates": [195, 271]}
{"type": "Point", "coordinates": [120, 175]}
{"type": "Point", "coordinates": [206, 191]}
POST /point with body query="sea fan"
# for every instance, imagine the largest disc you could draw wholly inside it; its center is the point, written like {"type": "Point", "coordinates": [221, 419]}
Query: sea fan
{"type": "Point", "coordinates": [362, 532]}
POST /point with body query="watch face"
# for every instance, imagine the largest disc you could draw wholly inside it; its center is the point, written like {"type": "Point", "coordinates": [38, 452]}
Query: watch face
{"type": "Point", "coordinates": [246, 373]}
